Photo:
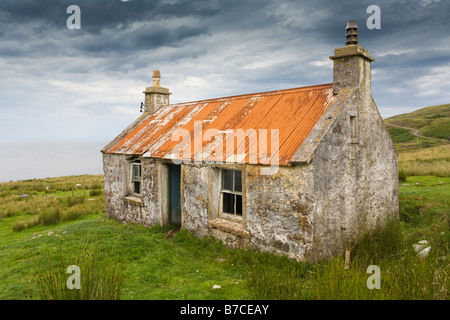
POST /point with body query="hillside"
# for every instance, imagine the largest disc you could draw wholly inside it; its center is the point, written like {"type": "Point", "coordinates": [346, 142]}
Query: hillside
{"type": "Point", "coordinates": [424, 127]}
{"type": "Point", "coordinates": [422, 139]}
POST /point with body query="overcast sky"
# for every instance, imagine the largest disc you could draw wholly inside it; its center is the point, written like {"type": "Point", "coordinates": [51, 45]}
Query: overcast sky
{"type": "Point", "coordinates": [88, 83]}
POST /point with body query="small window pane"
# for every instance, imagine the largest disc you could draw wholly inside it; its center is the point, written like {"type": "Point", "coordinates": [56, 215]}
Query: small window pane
{"type": "Point", "coordinates": [136, 172]}
{"type": "Point", "coordinates": [239, 205]}
{"type": "Point", "coordinates": [137, 187]}
{"type": "Point", "coordinates": [237, 181]}
{"type": "Point", "coordinates": [228, 202]}
{"type": "Point", "coordinates": [227, 178]}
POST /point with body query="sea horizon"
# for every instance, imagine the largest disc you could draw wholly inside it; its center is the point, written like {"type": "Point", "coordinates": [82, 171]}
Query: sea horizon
{"type": "Point", "coordinates": [27, 159]}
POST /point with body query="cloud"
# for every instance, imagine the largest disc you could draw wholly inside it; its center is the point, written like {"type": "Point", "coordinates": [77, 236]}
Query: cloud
{"type": "Point", "coordinates": [204, 49]}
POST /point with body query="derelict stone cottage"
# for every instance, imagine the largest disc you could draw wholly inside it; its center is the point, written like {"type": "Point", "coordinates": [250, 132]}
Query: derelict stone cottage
{"type": "Point", "coordinates": [300, 171]}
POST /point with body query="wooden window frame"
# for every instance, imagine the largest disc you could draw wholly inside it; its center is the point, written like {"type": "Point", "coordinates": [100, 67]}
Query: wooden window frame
{"type": "Point", "coordinates": [136, 179]}
{"type": "Point", "coordinates": [232, 215]}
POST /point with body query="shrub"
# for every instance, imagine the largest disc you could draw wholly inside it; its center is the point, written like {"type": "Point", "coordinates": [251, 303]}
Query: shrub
{"type": "Point", "coordinates": [18, 226]}
{"type": "Point", "coordinates": [50, 217]}
{"type": "Point", "coordinates": [94, 193]}
{"type": "Point", "coordinates": [74, 200]}
{"type": "Point", "coordinates": [402, 175]}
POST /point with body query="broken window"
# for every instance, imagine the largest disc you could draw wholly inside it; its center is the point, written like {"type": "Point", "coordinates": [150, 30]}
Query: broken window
{"type": "Point", "coordinates": [231, 191]}
{"type": "Point", "coordinates": [136, 176]}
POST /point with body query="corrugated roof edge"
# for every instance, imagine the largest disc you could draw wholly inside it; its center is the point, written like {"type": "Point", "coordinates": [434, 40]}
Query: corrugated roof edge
{"type": "Point", "coordinates": [135, 123]}
{"type": "Point", "coordinates": [246, 95]}
{"type": "Point", "coordinates": [306, 151]}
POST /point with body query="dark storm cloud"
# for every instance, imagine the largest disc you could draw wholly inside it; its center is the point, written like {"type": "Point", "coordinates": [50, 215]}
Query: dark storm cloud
{"type": "Point", "coordinates": [143, 38]}
{"type": "Point", "coordinates": [100, 14]}
{"type": "Point", "coordinates": [207, 49]}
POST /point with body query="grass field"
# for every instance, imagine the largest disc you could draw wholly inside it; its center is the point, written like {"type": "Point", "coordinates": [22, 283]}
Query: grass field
{"type": "Point", "coordinates": [128, 261]}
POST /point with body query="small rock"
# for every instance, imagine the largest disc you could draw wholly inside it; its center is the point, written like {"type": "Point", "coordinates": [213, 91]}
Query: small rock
{"type": "Point", "coordinates": [405, 184]}
{"type": "Point", "coordinates": [50, 233]}
{"type": "Point", "coordinates": [417, 183]}
{"type": "Point", "coordinates": [65, 232]}
{"type": "Point", "coordinates": [422, 254]}
{"type": "Point", "coordinates": [422, 244]}
{"type": "Point", "coordinates": [442, 182]}
{"type": "Point", "coordinates": [217, 287]}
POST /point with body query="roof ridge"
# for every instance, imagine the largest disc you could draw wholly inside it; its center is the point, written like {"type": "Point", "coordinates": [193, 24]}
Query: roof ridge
{"type": "Point", "coordinates": [247, 95]}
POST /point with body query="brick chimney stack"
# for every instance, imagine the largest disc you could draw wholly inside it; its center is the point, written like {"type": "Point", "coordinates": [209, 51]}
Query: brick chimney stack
{"type": "Point", "coordinates": [352, 63]}
{"type": "Point", "coordinates": [156, 96]}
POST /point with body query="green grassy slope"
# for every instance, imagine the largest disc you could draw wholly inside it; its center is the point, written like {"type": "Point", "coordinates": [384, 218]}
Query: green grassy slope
{"type": "Point", "coordinates": [185, 267]}
{"type": "Point", "coordinates": [432, 121]}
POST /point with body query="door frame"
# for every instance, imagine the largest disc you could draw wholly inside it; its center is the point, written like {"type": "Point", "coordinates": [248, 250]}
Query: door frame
{"type": "Point", "coordinates": [164, 193]}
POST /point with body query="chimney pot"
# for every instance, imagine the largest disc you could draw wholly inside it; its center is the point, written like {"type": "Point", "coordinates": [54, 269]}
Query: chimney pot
{"type": "Point", "coordinates": [351, 33]}
{"type": "Point", "coordinates": [156, 78]}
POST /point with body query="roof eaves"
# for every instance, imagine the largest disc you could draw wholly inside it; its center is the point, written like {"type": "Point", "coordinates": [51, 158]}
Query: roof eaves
{"type": "Point", "coordinates": [113, 142]}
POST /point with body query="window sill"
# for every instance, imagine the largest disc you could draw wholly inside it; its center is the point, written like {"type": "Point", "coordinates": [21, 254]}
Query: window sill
{"type": "Point", "coordinates": [134, 200]}
{"type": "Point", "coordinates": [231, 217]}
{"type": "Point", "coordinates": [229, 226]}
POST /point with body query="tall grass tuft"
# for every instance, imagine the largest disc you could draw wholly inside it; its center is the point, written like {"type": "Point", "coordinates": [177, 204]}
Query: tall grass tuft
{"type": "Point", "coordinates": [101, 274]}
{"type": "Point", "coordinates": [402, 175]}
{"type": "Point", "coordinates": [95, 192]}
{"type": "Point", "coordinates": [384, 242]}
{"type": "Point", "coordinates": [19, 226]}
{"type": "Point", "coordinates": [50, 217]}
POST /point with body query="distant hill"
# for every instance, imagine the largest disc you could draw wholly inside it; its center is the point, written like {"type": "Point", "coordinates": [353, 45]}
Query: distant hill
{"type": "Point", "coordinates": [422, 140]}
{"type": "Point", "coordinates": [429, 124]}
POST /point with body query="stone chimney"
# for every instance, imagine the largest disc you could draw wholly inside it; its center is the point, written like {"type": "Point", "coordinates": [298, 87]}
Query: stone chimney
{"type": "Point", "coordinates": [156, 96]}
{"type": "Point", "coordinates": [352, 63]}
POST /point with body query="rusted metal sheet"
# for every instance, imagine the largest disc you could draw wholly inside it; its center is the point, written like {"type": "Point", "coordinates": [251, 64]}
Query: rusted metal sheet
{"type": "Point", "coordinates": [235, 129]}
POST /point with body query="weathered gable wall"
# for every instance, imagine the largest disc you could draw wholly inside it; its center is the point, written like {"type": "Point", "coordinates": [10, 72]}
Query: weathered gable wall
{"type": "Point", "coordinates": [356, 181]}
{"type": "Point", "coordinates": [379, 192]}
{"type": "Point", "coordinates": [118, 203]}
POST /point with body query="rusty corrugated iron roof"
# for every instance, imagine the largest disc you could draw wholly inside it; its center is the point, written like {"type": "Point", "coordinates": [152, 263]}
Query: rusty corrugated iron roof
{"type": "Point", "coordinates": [202, 130]}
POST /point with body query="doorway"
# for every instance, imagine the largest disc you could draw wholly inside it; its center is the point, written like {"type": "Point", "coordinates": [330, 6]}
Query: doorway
{"type": "Point", "coordinates": [174, 174]}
